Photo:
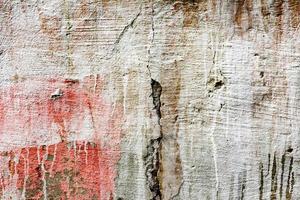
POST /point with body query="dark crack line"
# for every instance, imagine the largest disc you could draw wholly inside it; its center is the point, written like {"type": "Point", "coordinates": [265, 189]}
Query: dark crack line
{"type": "Point", "coordinates": [152, 39]}
{"type": "Point", "coordinates": [125, 29]}
{"type": "Point", "coordinates": [152, 157]}
{"type": "Point", "coordinates": [156, 93]}
{"type": "Point", "coordinates": [178, 192]}
{"type": "Point", "coordinates": [110, 51]}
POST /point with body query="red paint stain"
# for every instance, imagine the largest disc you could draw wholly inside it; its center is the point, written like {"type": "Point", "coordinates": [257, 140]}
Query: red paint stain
{"type": "Point", "coordinates": [65, 170]}
{"type": "Point", "coordinates": [28, 105]}
{"type": "Point", "coordinates": [74, 170]}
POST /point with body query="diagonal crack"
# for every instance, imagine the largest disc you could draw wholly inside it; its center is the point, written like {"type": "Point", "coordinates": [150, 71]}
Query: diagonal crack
{"type": "Point", "coordinates": [178, 192]}
{"type": "Point", "coordinates": [125, 29]}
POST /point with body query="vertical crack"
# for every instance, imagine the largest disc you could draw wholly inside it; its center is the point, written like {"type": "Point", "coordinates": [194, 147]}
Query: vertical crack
{"type": "Point", "coordinates": [156, 93]}
{"type": "Point", "coordinates": [152, 168]}
{"type": "Point", "coordinates": [152, 38]}
{"type": "Point", "coordinates": [152, 157]}
{"type": "Point", "coordinates": [125, 29]}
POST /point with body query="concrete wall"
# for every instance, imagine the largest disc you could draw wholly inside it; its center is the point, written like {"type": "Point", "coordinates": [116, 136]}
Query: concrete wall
{"type": "Point", "coordinates": [149, 99]}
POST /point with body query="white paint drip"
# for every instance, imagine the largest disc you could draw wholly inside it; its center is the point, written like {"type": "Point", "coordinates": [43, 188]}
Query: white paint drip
{"type": "Point", "coordinates": [54, 157]}
{"type": "Point", "coordinates": [86, 152]}
{"type": "Point", "coordinates": [214, 149]}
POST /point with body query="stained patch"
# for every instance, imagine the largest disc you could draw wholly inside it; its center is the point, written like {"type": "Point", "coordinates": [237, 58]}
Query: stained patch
{"type": "Point", "coordinates": [191, 10]}
{"type": "Point", "coordinates": [55, 106]}
{"type": "Point", "coordinates": [242, 13]}
{"type": "Point", "coordinates": [278, 13]}
{"type": "Point", "coordinates": [294, 6]}
{"type": "Point", "coordinates": [170, 173]}
{"type": "Point", "coordinates": [78, 165]}
{"type": "Point", "coordinates": [80, 170]}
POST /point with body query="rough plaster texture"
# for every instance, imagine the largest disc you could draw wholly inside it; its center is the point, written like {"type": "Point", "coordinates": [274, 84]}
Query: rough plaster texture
{"type": "Point", "coordinates": [149, 99]}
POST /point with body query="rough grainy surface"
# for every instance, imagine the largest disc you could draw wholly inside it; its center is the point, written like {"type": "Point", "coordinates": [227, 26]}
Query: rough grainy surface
{"type": "Point", "coordinates": [165, 99]}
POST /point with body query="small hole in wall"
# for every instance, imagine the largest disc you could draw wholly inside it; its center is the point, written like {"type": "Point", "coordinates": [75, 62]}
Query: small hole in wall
{"type": "Point", "coordinates": [290, 150]}
{"type": "Point", "coordinates": [262, 74]}
{"type": "Point", "coordinates": [176, 118]}
{"type": "Point", "coordinates": [219, 84]}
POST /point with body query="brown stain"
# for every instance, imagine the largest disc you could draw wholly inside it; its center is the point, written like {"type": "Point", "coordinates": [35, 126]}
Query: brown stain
{"type": "Point", "coordinates": [242, 8]}
{"type": "Point", "coordinates": [249, 9]}
{"type": "Point", "coordinates": [105, 3]}
{"type": "Point", "coordinates": [191, 10]}
{"type": "Point", "coordinates": [81, 21]}
{"type": "Point", "coordinates": [273, 15]}
{"type": "Point", "coordinates": [51, 27]}
{"type": "Point", "coordinates": [294, 7]}
{"type": "Point", "coordinates": [238, 4]}
{"type": "Point", "coordinates": [278, 14]}
{"type": "Point", "coordinates": [264, 10]}
{"type": "Point", "coordinates": [82, 10]}
{"type": "Point", "coordinates": [214, 5]}
{"type": "Point", "coordinates": [170, 151]}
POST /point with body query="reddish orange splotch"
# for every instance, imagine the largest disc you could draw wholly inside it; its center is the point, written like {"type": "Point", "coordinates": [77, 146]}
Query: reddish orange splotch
{"type": "Point", "coordinates": [68, 170]}
{"type": "Point", "coordinates": [71, 105]}
{"type": "Point", "coordinates": [29, 106]}
{"type": "Point", "coordinates": [74, 170]}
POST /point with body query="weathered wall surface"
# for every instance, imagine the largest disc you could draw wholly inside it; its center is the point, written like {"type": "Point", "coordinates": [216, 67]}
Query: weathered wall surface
{"type": "Point", "coordinates": [149, 99]}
